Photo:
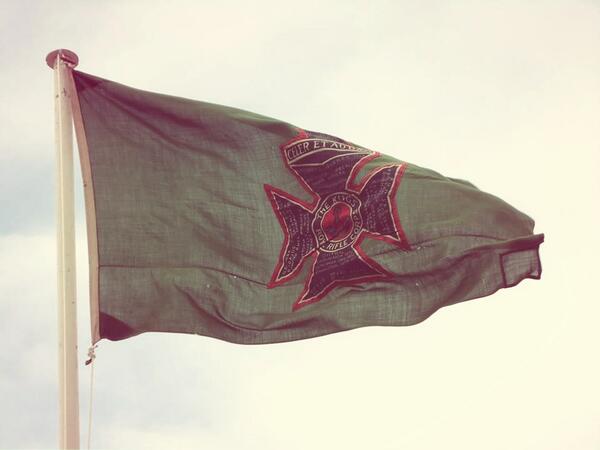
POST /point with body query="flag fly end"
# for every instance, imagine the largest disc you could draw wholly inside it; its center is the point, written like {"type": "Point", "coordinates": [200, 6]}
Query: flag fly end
{"type": "Point", "coordinates": [69, 57]}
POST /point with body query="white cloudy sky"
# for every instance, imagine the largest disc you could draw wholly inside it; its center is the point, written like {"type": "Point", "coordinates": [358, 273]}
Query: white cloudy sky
{"type": "Point", "coordinates": [504, 94]}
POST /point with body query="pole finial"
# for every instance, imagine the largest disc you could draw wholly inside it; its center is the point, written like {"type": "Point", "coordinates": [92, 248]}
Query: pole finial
{"type": "Point", "coordinates": [65, 55]}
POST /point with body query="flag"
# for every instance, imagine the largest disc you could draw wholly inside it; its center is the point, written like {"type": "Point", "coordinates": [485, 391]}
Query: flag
{"type": "Point", "coordinates": [211, 220]}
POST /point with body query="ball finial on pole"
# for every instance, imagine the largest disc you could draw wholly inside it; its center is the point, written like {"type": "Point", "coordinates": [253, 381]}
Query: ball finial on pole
{"type": "Point", "coordinates": [69, 57]}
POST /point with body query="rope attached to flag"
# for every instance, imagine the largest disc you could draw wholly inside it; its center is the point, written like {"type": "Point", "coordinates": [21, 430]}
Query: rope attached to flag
{"type": "Point", "coordinates": [90, 361]}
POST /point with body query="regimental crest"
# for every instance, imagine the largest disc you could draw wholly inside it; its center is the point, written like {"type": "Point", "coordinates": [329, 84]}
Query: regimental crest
{"type": "Point", "coordinates": [329, 230]}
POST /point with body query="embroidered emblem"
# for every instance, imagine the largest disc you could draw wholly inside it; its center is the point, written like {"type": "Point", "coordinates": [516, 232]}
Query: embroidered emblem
{"type": "Point", "coordinates": [342, 214]}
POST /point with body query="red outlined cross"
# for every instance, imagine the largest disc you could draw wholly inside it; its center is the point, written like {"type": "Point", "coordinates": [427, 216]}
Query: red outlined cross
{"type": "Point", "coordinates": [327, 168]}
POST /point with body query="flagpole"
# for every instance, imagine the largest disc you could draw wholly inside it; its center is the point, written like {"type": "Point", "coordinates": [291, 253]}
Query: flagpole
{"type": "Point", "coordinates": [62, 62]}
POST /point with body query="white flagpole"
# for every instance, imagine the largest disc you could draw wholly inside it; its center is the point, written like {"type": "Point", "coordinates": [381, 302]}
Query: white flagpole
{"type": "Point", "coordinates": [62, 61]}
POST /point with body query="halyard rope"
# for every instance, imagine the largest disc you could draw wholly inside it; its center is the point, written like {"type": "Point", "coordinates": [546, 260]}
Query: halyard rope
{"type": "Point", "coordinates": [90, 361]}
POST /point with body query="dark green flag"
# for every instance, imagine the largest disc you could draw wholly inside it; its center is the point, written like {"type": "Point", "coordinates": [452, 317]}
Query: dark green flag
{"type": "Point", "coordinates": [216, 221]}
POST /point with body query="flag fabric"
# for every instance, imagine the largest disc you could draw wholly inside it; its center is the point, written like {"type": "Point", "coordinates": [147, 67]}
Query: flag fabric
{"type": "Point", "coordinates": [215, 221]}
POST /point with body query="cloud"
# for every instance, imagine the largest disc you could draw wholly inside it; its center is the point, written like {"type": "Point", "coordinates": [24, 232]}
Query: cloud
{"type": "Point", "coordinates": [505, 95]}
{"type": "Point", "coordinates": [28, 329]}
{"type": "Point", "coordinates": [27, 196]}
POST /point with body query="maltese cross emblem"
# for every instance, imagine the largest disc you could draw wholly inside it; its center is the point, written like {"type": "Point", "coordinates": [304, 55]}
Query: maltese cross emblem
{"type": "Point", "coordinates": [330, 229]}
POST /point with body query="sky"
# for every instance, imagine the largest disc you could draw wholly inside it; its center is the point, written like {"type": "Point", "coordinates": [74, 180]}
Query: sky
{"type": "Point", "coordinates": [503, 94]}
